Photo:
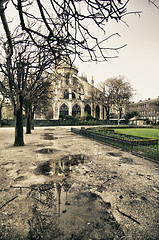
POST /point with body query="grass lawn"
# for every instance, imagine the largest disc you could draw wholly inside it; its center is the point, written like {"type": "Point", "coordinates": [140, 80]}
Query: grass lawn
{"type": "Point", "coordinates": [140, 132]}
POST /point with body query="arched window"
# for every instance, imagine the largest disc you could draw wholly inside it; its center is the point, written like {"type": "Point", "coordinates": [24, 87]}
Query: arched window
{"type": "Point", "coordinates": [76, 111]}
{"type": "Point", "coordinates": [67, 81]}
{"type": "Point", "coordinates": [97, 111]}
{"type": "Point", "coordinates": [87, 109]}
{"type": "Point", "coordinates": [73, 95]}
{"type": "Point", "coordinates": [74, 80]}
{"type": "Point", "coordinates": [66, 94]}
{"type": "Point", "coordinates": [67, 78]}
{"type": "Point", "coordinates": [63, 110]}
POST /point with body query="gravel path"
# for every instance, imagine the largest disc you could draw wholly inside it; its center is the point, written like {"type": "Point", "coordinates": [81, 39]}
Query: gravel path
{"type": "Point", "coordinates": [64, 186]}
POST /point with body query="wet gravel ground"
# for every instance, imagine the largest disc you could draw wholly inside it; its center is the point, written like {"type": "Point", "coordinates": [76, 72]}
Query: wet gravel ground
{"type": "Point", "coordinates": [64, 186]}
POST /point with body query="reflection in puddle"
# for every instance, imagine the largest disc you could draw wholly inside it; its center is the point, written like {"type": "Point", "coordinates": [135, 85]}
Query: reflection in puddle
{"type": "Point", "coordinates": [85, 217]}
{"type": "Point", "coordinates": [65, 209]}
{"type": "Point", "coordinates": [61, 172]}
{"type": "Point", "coordinates": [63, 167]}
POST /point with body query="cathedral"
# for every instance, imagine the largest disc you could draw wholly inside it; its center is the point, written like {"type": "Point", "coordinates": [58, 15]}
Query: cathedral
{"type": "Point", "coordinates": [74, 96]}
{"type": "Point", "coordinates": [71, 95]}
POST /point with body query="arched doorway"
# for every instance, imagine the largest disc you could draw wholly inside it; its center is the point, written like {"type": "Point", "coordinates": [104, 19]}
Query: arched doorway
{"type": "Point", "coordinates": [76, 111]}
{"type": "Point", "coordinates": [63, 110]}
{"type": "Point", "coordinates": [87, 109]}
{"type": "Point", "coordinates": [97, 112]}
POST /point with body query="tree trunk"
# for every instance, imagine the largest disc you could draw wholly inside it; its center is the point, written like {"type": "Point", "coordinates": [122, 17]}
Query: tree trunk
{"type": "Point", "coordinates": [32, 118]}
{"type": "Point", "coordinates": [28, 119]}
{"type": "Point", "coordinates": [32, 123]}
{"type": "Point", "coordinates": [120, 112]}
{"type": "Point", "coordinates": [118, 118]}
{"type": "Point", "coordinates": [107, 114]}
{"type": "Point", "coordinates": [18, 127]}
{"type": "Point", "coordinates": [0, 116]}
{"type": "Point", "coordinates": [119, 115]}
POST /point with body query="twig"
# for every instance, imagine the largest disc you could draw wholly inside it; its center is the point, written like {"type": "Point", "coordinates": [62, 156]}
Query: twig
{"type": "Point", "coordinates": [49, 187]}
{"type": "Point", "coordinates": [124, 214]}
{"type": "Point", "coordinates": [20, 187]}
{"type": "Point", "coordinates": [8, 202]}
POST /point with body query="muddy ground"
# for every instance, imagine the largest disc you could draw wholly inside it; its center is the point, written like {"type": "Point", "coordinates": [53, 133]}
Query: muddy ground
{"type": "Point", "coordinates": [64, 186]}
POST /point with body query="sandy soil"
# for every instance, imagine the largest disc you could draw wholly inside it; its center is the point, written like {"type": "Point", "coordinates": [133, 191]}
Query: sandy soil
{"type": "Point", "coordinates": [63, 186]}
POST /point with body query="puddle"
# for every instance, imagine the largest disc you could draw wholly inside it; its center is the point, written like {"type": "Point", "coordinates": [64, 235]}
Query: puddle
{"type": "Point", "coordinates": [49, 129]}
{"type": "Point", "coordinates": [114, 154]}
{"type": "Point", "coordinates": [127, 160]}
{"type": "Point", "coordinates": [7, 163]}
{"type": "Point", "coordinates": [77, 216]}
{"type": "Point", "coordinates": [49, 136]}
{"type": "Point", "coordinates": [20, 178]}
{"type": "Point", "coordinates": [47, 150]}
{"type": "Point", "coordinates": [63, 167]}
{"type": "Point", "coordinates": [66, 146]}
{"type": "Point", "coordinates": [64, 208]}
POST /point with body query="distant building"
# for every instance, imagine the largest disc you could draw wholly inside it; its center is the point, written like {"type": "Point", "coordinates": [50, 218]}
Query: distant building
{"type": "Point", "coordinates": [137, 121]}
{"type": "Point", "coordinates": [147, 109]}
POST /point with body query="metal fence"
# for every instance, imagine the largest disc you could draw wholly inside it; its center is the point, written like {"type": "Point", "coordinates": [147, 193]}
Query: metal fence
{"type": "Point", "coordinates": [147, 151]}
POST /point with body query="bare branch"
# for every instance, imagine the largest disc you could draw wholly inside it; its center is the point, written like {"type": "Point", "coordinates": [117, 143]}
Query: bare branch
{"type": "Point", "coordinates": [6, 28]}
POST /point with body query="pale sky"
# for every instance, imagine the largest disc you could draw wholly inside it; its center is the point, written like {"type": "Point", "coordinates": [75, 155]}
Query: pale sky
{"type": "Point", "coordinates": [139, 60]}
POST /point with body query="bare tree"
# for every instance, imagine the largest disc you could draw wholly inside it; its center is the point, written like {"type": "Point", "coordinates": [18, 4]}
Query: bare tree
{"type": "Point", "coordinates": [123, 91]}
{"type": "Point", "coordinates": [5, 25]}
{"type": "Point", "coordinates": [38, 97]}
{"type": "Point", "coordinates": [117, 91]}
{"type": "Point", "coordinates": [107, 89]}
{"type": "Point", "coordinates": [17, 69]}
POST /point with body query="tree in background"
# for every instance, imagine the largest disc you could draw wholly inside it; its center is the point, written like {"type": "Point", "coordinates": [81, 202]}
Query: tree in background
{"type": "Point", "coordinates": [123, 91]}
{"type": "Point", "coordinates": [107, 89]}
{"type": "Point", "coordinates": [117, 92]}
{"type": "Point", "coordinates": [130, 115]}
{"type": "Point", "coordinates": [38, 97]}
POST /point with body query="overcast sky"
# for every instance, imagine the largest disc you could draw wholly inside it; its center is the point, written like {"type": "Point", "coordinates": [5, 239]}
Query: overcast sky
{"type": "Point", "coordinates": [139, 60]}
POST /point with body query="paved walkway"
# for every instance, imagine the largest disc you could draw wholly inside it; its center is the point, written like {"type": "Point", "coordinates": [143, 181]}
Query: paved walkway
{"type": "Point", "coordinates": [63, 186]}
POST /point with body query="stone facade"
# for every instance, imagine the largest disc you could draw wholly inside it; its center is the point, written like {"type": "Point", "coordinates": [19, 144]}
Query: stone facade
{"type": "Point", "coordinates": [69, 95]}
{"type": "Point", "coordinates": [73, 95]}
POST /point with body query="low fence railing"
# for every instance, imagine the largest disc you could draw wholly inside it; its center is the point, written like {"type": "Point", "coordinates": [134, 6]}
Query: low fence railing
{"type": "Point", "coordinates": [147, 151]}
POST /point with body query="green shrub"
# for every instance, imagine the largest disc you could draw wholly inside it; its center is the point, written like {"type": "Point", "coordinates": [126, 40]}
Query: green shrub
{"type": "Point", "coordinates": [68, 117]}
{"type": "Point", "coordinates": [87, 117]}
